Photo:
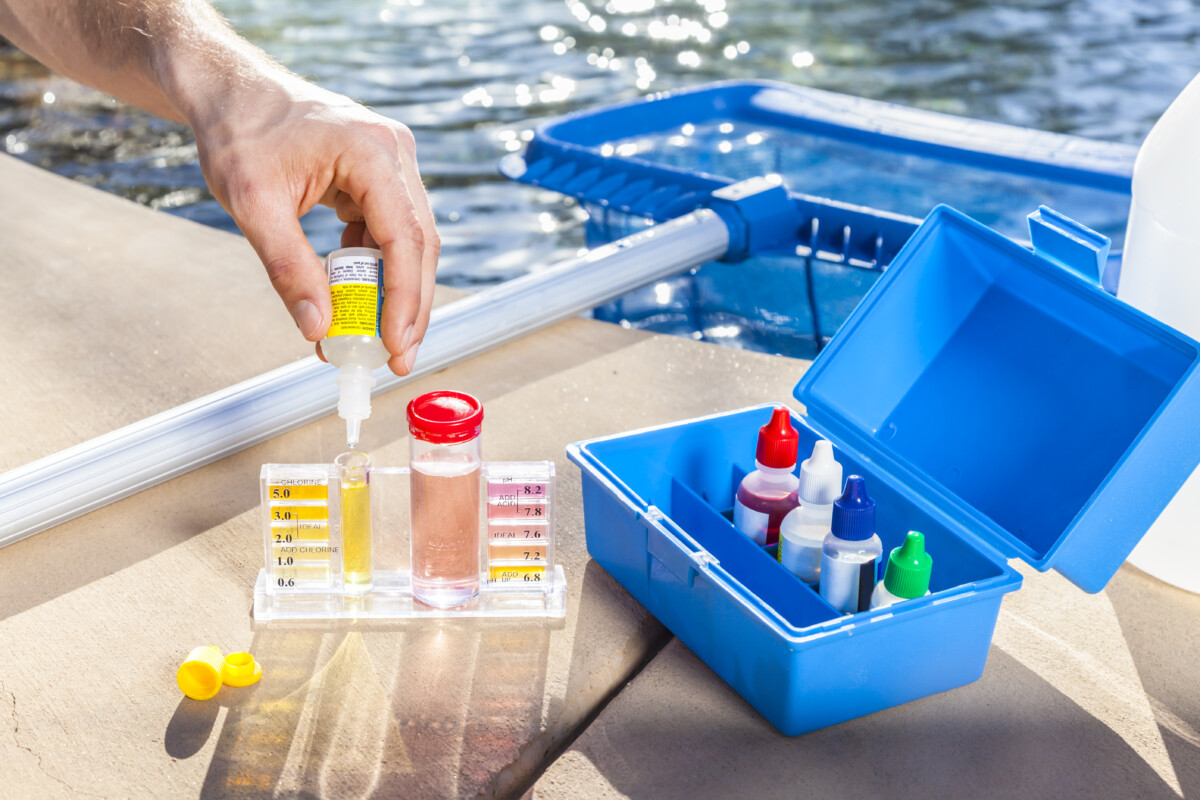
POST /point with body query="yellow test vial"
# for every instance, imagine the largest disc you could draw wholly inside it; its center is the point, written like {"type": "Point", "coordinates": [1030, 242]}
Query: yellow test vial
{"type": "Point", "coordinates": [353, 470]}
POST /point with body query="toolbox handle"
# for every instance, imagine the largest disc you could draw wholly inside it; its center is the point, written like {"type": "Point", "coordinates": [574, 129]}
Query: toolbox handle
{"type": "Point", "coordinates": [1070, 244]}
{"type": "Point", "coordinates": [671, 551]}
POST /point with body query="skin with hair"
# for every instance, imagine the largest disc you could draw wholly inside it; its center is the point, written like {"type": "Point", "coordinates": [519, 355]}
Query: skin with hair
{"type": "Point", "coordinates": [271, 145]}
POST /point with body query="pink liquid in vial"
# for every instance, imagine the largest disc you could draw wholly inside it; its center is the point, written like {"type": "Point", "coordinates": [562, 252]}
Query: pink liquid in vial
{"type": "Point", "coordinates": [774, 505]}
{"type": "Point", "coordinates": [445, 532]}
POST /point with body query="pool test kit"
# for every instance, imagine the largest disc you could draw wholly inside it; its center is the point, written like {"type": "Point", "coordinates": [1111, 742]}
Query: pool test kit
{"type": "Point", "coordinates": [994, 398]}
{"type": "Point", "coordinates": [448, 536]}
{"type": "Point", "coordinates": [310, 574]}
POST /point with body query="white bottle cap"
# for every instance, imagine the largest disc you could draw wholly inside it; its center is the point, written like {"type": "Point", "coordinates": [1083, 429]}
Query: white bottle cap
{"type": "Point", "coordinates": [820, 476]}
{"type": "Point", "coordinates": [354, 402]}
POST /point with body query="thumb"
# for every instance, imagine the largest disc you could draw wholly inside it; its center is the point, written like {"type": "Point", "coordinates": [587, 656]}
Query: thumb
{"type": "Point", "coordinates": [294, 269]}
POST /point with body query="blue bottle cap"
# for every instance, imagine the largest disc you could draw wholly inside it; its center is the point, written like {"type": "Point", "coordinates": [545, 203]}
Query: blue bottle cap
{"type": "Point", "coordinates": [854, 512]}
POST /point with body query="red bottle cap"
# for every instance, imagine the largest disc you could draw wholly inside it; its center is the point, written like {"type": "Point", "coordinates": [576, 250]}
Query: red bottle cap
{"type": "Point", "coordinates": [445, 417]}
{"type": "Point", "coordinates": [778, 441]}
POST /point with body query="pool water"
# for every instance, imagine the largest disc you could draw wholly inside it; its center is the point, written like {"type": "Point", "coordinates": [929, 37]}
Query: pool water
{"type": "Point", "coordinates": [903, 183]}
{"type": "Point", "coordinates": [472, 78]}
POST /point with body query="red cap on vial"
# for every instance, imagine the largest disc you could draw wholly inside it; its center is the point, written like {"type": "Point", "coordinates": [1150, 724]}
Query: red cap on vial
{"type": "Point", "coordinates": [778, 441]}
{"type": "Point", "coordinates": [445, 417]}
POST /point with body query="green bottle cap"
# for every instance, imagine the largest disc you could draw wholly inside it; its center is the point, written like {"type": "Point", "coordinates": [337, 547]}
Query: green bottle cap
{"type": "Point", "coordinates": [908, 568]}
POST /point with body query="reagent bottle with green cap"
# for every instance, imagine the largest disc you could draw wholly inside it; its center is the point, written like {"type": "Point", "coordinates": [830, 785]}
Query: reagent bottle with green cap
{"type": "Point", "coordinates": [851, 550]}
{"type": "Point", "coordinates": [353, 344]}
{"type": "Point", "coordinates": [803, 530]}
{"type": "Point", "coordinates": [907, 572]}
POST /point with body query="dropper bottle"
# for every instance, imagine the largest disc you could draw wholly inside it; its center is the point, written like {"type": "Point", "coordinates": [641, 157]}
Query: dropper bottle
{"type": "Point", "coordinates": [803, 530]}
{"type": "Point", "coordinates": [907, 572]}
{"type": "Point", "coordinates": [353, 344]}
{"type": "Point", "coordinates": [766, 495]}
{"type": "Point", "coordinates": [851, 550]}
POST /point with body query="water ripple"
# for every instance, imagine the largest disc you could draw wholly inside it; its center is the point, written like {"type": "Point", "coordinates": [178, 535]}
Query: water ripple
{"type": "Point", "coordinates": [472, 78]}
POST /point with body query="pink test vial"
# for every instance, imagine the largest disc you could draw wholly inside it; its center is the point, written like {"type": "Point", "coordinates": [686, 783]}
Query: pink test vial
{"type": "Point", "coordinates": [446, 461]}
{"type": "Point", "coordinates": [766, 495]}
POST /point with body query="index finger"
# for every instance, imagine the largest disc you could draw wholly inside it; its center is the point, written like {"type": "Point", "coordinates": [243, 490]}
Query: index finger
{"type": "Point", "coordinates": [392, 219]}
{"type": "Point", "coordinates": [429, 256]}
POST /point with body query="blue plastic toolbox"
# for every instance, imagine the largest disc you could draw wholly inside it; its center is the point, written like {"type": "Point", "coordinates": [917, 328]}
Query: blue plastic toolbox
{"type": "Point", "coordinates": [993, 397]}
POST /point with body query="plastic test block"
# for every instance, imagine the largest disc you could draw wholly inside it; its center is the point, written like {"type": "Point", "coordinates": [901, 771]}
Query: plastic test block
{"type": "Point", "coordinates": [992, 399]}
{"type": "Point", "coordinates": [519, 528]}
{"type": "Point", "coordinates": [302, 576]}
{"type": "Point", "coordinates": [302, 549]}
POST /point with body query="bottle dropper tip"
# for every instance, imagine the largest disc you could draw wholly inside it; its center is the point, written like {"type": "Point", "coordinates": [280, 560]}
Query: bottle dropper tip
{"type": "Point", "coordinates": [353, 427]}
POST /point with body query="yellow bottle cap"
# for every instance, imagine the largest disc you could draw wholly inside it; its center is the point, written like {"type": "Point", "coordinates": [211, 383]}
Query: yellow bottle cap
{"type": "Point", "coordinates": [199, 676]}
{"type": "Point", "coordinates": [240, 669]}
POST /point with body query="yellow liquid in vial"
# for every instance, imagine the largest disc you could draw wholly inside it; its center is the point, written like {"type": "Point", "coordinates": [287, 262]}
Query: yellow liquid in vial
{"type": "Point", "coordinates": [356, 533]}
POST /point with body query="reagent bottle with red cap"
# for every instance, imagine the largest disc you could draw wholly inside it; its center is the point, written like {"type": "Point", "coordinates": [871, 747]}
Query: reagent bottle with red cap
{"type": "Point", "coordinates": [766, 495]}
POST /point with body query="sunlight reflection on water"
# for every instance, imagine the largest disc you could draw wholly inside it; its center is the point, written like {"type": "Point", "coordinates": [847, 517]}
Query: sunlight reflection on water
{"type": "Point", "coordinates": [473, 78]}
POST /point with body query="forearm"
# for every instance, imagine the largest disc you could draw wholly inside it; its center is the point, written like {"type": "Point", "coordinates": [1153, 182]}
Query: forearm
{"type": "Point", "coordinates": [270, 144]}
{"type": "Point", "coordinates": [171, 57]}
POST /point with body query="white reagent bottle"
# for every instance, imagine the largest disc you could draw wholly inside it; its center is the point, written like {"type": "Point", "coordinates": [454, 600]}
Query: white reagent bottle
{"type": "Point", "coordinates": [851, 551]}
{"type": "Point", "coordinates": [1160, 274]}
{"type": "Point", "coordinates": [907, 573]}
{"type": "Point", "coordinates": [353, 344]}
{"type": "Point", "coordinates": [804, 528]}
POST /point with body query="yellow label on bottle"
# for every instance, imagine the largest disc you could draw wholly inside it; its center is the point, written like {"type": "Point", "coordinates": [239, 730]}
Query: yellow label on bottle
{"type": "Point", "coordinates": [356, 290]}
{"type": "Point", "coordinates": [354, 310]}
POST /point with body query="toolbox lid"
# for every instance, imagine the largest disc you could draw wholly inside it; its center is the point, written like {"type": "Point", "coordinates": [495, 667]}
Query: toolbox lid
{"type": "Point", "coordinates": [1051, 420]}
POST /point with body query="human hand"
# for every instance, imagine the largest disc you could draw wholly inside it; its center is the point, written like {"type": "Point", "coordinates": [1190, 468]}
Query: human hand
{"type": "Point", "coordinates": [276, 146]}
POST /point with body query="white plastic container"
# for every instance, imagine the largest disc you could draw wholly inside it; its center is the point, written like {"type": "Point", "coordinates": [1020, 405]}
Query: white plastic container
{"type": "Point", "coordinates": [1160, 274]}
{"type": "Point", "coordinates": [804, 528]}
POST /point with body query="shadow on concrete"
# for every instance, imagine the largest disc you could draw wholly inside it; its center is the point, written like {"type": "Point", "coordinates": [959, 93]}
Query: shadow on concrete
{"type": "Point", "coordinates": [592, 682]}
{"type": "Point", "coordinates": [427, 711]}
{"type": "Point", "coordinates": [973, 742]}
{"type": "Point", "coordinates": [190, 727]}
{"type": "Point", "coordinates": [1159, 624]}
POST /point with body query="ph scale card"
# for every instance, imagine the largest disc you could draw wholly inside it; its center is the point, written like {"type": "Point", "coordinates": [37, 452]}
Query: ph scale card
{"type": "Point", "coordinates": [300, 552]}
{"type": "Point", "coordinates": [520, 530]}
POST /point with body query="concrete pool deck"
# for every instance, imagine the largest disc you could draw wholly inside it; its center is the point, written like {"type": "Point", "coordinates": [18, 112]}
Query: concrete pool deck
{"type": "Point", "coordinates": [119, 312]}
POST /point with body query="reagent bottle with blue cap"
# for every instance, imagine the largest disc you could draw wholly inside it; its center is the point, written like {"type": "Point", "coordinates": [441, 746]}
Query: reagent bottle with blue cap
{"type": "Point", "coordinates": [851, 551]}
